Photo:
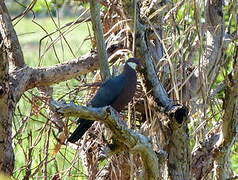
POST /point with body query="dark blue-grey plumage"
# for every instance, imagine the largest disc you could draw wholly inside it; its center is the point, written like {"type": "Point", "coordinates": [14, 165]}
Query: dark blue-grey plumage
{"type": "Point", "coordinates": [116, 91]}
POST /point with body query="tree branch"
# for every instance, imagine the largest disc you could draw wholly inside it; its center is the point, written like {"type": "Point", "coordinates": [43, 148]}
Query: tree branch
{"type": "Point", "coordinates": [153, 82]}
{"type": "Point", "coordinates": [46, 76]}
{"type": "Point", "coordinates": [216, 148]}
{"type": "Point", "coordinates": [135, 142]}
{"type": "Point", "coordinates": [229, 131]}
{"type": "Point", "coordinates": [98, 32]}
{"type": "Point", "coordinates": [177, 142]}
{"type": "Point", "coordinates": [27, 77]}
{"type": "Point", "coordinates": [214, 38]}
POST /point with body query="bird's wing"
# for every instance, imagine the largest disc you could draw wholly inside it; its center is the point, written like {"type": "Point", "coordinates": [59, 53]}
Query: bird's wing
{"type": "Point", "coordinates": [108, 92]}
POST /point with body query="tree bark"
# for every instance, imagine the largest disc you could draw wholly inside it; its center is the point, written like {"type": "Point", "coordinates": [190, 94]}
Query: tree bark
{"type": "Point", "coordinates": [10, 40]}
{"type": "Point", "coordinates": [211, 59]}
{"type": "Point", "coordinates": [229, 131]}
{"type": "Point", "coordinates": [5, 157]}
{"type": "Point", "coordinates": [11, 58]}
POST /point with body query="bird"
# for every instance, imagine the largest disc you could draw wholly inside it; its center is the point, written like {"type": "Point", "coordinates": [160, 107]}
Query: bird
{"type": "Point", "coordinates": [117, 92]}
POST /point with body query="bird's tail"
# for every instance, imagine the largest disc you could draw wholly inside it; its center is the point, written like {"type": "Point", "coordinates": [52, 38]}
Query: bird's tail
{"type": "Point", "coordinates": [80, 130]}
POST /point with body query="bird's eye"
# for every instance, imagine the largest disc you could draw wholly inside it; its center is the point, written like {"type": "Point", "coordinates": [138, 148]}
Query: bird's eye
{"type": "Point", "coordinates": [132, 65]}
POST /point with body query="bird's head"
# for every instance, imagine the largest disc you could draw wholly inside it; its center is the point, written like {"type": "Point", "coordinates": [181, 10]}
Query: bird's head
{"type": "Point", "coordinates": [133, 63]}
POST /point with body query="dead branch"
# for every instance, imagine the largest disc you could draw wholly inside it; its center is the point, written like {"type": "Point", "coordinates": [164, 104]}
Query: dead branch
{"type": "Point", "coordinates": [177, 146]}
{"type": "Point", "coordinates": [153, 82]}
{"type": "Point", "coordinates": [98, 32]}
{"type": "Point", "coordinates": [27, 78]}
{"type": "Point", "coordinates": [134, 142]}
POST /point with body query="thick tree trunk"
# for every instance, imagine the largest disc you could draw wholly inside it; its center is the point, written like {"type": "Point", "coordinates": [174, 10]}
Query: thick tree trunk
{"type": "Point", "coordinates": [4, 112]}
{"type": "Point", "coordinates": [11, 59]}
{"type": "Point", "coordinates": [10, 40]}
{"type": "Point", "coordinates": [179, 154]}
{"type": "Point", "coordinates": [6, 115]}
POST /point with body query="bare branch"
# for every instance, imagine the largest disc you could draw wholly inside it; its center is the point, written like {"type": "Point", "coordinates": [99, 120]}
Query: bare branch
{"type": "Point", "coordinates": [98, 32]}
{"type": "Point", "coordinates": [45, 76]}
{"type": "Point", "coordinates": [177, 142]}
{"type": "Point", "coordinates": [27, 78]}
{"type": "Point", "coordinates": [153, 82]}
{"type": "Point", "coordinates": [135, 142]}
{"type": "Point", "coordinates": [46, 93]}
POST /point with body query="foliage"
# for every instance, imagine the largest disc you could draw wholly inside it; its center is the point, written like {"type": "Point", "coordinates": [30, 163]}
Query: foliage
{"type": "Point", "coordinates": [42, 7]}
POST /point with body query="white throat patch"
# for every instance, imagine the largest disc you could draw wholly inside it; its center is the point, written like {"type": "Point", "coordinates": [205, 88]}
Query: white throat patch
{"type": "Point", "coordinates": [132, 65]}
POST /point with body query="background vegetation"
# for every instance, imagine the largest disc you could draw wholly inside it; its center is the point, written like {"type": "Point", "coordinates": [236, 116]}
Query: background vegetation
{"type": "Point", "coordinates": [30, 34]}
{"type": "Point", "coordinates": [31, 115]}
